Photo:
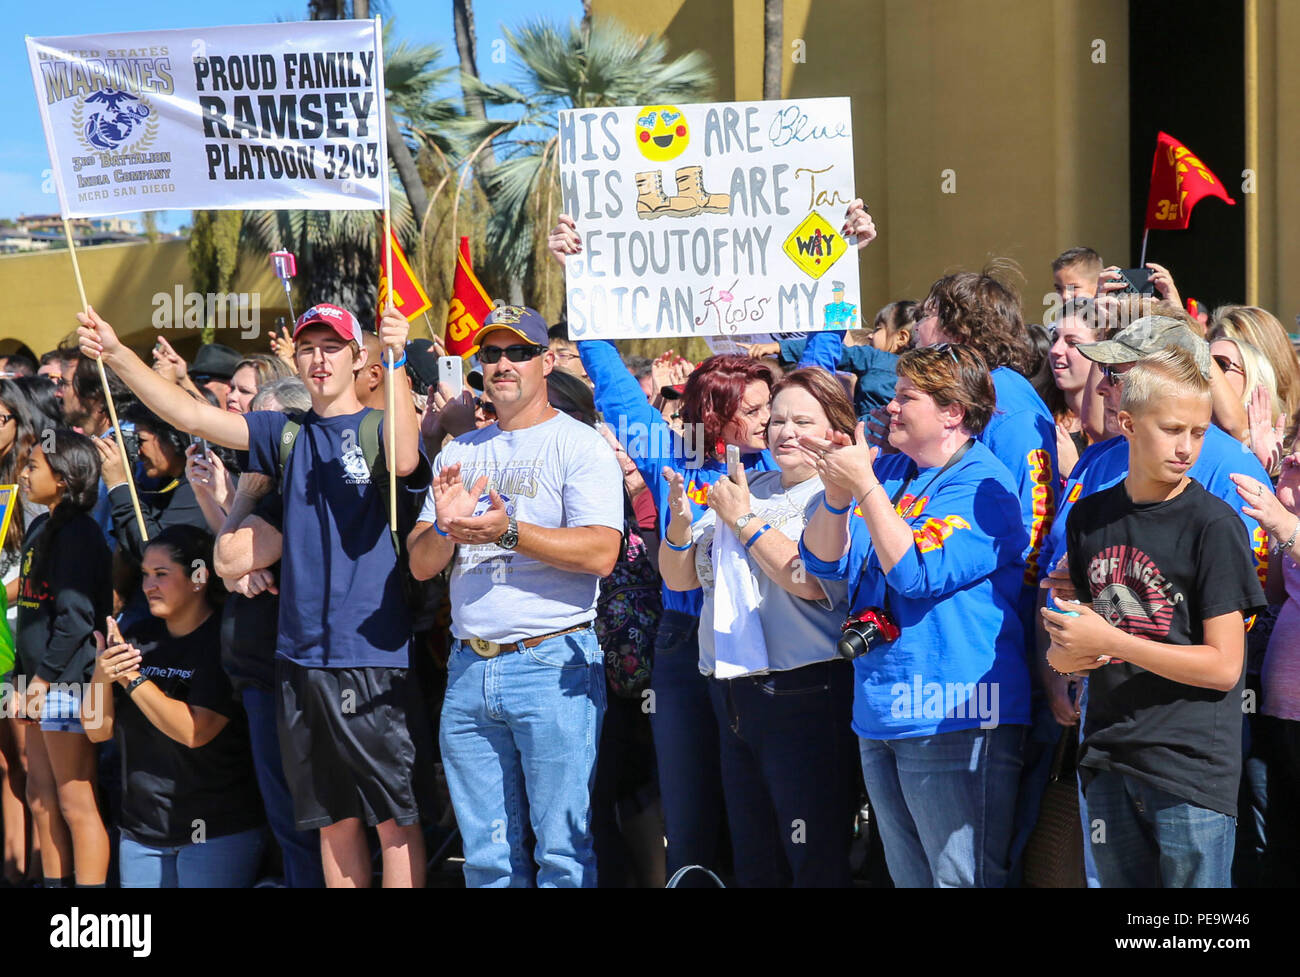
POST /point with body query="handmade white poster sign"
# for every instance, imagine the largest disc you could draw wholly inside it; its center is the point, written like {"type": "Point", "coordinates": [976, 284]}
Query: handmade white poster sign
{"type": "Point", "coordinates": [718, 219]}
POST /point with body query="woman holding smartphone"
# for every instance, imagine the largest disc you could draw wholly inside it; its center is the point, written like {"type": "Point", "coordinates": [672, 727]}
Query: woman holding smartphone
{"type": "Point", "coordinates": [191, 813]}
{"type": "Point", "coordinates": [781, 694]}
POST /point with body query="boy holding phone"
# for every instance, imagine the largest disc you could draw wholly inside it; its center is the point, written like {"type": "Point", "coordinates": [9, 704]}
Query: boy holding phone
{"type": "Point", "coordinates": [1170, 577]}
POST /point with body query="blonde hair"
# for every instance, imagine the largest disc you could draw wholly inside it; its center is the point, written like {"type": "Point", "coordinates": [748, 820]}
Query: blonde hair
{"type": "Point", "coordinates": [1257, 370]}
{"type": "Point", "coordinates": [1262, 330]}
{"type": "Point", "coordinates": [1171, 372]}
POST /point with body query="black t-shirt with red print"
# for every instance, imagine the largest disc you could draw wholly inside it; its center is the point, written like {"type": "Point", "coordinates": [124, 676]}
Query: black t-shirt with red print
{"type": "Point", "coordinates": [1159, 570]}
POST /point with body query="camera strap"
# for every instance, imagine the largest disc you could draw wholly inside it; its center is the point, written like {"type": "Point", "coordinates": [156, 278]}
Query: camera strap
{"type": "Point", "coordinates": [912, 472]}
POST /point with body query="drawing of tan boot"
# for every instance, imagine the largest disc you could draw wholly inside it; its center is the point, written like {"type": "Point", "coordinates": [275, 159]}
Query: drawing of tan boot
{"type": "Point", "coordinates": [651, 201]}
{"type": "Point", "coordinates": [690, 186]}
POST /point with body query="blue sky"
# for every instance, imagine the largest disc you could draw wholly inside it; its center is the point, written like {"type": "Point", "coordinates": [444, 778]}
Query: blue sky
{"type": "Point", "coordinates": [23, 156]}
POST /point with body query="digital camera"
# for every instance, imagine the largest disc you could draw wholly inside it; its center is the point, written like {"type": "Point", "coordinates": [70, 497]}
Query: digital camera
{"type": "Point", "coordinates": [866, 631]}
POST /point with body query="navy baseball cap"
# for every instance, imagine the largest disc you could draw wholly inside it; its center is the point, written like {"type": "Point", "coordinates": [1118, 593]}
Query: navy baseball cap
{"type": "Point", "coordinates": [520, 320]}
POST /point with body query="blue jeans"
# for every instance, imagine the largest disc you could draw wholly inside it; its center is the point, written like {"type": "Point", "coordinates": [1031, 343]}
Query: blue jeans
{"type": "Point", "coordinates": [686, 746]}
{"type": "Point", "coordinates": [228, 862]}
{"type": "Point", "coordinates": [519, 736]}
{"type": "Point", "coordinates": [788, 755]}
{"type": "Point", "coordinates": [946, 805]}
{"type": "Point", "coordinates": [1149, 838]}
{"type": "Point", "coordinates": [300, 849]}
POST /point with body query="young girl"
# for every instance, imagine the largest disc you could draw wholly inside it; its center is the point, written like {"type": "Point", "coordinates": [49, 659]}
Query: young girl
{"type": "Point", "coordinates": [64, 589]}
{"type": "Point", "coordinates": [191, 813]}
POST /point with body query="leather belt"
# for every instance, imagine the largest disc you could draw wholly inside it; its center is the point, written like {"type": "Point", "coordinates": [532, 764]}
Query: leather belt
{"type": "Point", "coordinates": [490, 649]}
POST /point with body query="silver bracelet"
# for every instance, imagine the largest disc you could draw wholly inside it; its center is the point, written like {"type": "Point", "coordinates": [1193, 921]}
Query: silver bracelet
{"type": "Point", "coordinates": [1286, 547]}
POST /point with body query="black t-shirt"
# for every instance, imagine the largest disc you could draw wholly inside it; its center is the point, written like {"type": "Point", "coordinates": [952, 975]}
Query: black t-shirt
{"type": "Point", "coordinates": [1158, 570]}
{"type": "Point", "coordinates": [250, 625]}
{"type": "Point", "coordinates": [168, 788]}
{"type": "Point", "coordinates": [63, 600]}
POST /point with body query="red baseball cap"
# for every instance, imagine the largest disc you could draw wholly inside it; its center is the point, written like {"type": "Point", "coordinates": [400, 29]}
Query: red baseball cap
{"type": "Point", "coordinates": [340, 320]}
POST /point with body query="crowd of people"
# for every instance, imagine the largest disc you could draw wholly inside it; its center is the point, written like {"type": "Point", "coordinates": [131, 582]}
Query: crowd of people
{"type": "Point", "coordinates": [826, 609]}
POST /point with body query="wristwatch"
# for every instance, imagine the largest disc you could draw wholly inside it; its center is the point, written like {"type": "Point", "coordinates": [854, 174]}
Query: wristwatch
{"type": "Point", "coordinates": [744, 521]}
{"type": "Point", "coordinates": [510, 538]}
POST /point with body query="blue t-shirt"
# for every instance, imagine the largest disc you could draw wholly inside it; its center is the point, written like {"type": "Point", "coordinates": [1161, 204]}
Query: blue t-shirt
{"type": "Point", "coordinates": [1022, 435]}
{"type": "Point", "coordinates": [1106, 463]}
{"type": "Point", "coordinates": [959, 662]}
{"type": "Point", "coordinates": [876, 369]}
{"type": "Point", "coordinates": [341, 600]}
{"type": "Point", "coordinates": [653, 445]}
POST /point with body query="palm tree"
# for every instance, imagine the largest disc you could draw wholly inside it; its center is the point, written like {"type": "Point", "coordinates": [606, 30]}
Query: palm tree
{"type": "Point", "coordinates": [588, 65]}
{"type": "Point", "coordinates": [773, 16]}
{"type": "Point", "coordinates": [337, 249]}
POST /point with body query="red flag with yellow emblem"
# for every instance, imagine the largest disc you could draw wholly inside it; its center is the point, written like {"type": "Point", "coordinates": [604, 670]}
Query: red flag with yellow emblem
{"type": "Point", "coordinates": [469, 306]}
{"type": "Point", "coordinates": [1179, 181]}
{"type": "Point", "coordinates": [408, 296]}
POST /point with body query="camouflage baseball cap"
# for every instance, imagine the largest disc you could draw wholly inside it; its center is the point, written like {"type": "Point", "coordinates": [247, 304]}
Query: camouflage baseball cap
{"type": "Point", "coordinates": [1145, 336]}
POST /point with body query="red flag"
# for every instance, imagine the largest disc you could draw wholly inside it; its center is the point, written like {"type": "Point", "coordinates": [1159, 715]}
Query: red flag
{"type": "Point", "coordinates": [1178, 182]}
{"type": "Point", "coordinates": [469, 305]}
{"type": "Point", "coordinates": [408, 296]}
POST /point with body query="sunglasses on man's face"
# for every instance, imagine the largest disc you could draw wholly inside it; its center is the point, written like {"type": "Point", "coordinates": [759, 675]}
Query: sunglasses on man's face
{"type": "Point", "coordinates": [486, 406]}
{"type": "Point", "coordinates": [515, 354]}
{"type": "Point", "coordinates": [1113, 376]}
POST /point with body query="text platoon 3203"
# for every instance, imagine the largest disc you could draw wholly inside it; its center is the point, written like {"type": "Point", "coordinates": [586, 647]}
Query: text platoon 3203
{"type": "Point", "coordinates": [754, 195]}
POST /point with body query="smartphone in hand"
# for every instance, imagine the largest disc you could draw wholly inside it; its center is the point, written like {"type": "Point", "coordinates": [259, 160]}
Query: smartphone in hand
{"type": "Point", "coordinates": [450, 373]}
{"type": "Point", "coordinates": [733, 462]}
{"type": "Point", "coordinates": [1137, 281]}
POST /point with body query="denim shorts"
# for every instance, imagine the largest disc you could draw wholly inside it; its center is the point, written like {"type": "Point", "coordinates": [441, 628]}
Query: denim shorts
{"type": "Point", "coordinates": [62, 710]}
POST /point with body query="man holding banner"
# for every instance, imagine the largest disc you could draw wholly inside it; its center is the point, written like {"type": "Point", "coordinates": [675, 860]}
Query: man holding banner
{"type": "Point", "coordinates": [350, 716]}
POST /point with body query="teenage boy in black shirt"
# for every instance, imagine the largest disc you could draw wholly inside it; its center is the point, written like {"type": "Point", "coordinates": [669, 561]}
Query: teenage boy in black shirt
{"type": "Point", "coordinates": [1169, 572]}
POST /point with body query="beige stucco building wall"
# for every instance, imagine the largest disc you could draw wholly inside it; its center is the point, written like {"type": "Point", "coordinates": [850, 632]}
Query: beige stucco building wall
{"type": "Point", "coordinates": [40, 295]}
{"type": "Point", "coordinates": [1024, 101]}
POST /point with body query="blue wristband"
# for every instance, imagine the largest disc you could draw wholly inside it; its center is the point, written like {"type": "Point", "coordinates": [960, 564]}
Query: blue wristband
{"type": "Point", "coordinates": [439, 531]}
{"type": "Point", "coordinates": [838, 512]}
{"type": "Point", "coordinates": [680, 549]}
{"type": "Point", "coordinates": [401, 362]}
{"type": "Point", "coordinates": [754, 539]}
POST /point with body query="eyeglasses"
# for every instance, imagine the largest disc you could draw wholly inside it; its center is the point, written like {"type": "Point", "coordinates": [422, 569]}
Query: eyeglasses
{"type": "Point", "coordinates": [515, 354]}
{"type": "Point", "coordinates": [486, 406]}
{"type": "Point", "coordinates": [1227, 366]}
{"type": "Point", "coordinates": [1113, 377]}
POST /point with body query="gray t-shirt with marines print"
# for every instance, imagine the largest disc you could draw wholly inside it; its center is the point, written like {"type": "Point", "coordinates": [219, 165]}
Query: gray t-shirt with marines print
{"type": "Point", "coordinates": [557, 475]}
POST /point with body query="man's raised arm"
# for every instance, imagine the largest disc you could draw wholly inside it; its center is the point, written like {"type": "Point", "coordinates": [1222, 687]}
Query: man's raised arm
{"type": "Point", "coordinates": [165, 399]}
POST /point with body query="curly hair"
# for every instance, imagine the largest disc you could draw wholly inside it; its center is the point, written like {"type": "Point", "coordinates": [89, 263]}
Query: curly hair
{"type": "Point", "coordinates": [977, 310]}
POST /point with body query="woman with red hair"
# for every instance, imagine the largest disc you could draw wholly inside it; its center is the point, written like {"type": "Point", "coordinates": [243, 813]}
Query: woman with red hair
{"type": "Point", "coordinates": [726, 403]}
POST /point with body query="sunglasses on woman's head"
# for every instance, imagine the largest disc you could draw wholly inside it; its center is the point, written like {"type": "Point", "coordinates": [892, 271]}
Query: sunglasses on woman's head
{"type": "Point", "coordinates": [515, 354]}
{"type": "Point", "coordinates": [951, 350]}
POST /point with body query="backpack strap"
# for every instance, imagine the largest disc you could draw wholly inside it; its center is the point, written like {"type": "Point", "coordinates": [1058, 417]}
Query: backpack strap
{"type": "Point", "coordinates": [288, 435]}
{"type": "Point", "coordinates": [372, 450]}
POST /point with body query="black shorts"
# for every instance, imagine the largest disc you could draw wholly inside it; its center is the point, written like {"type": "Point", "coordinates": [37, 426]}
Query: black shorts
{"type": "Point", "coordinates": [355, 743]}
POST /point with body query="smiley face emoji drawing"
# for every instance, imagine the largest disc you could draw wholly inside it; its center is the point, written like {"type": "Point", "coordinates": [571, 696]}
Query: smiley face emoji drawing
{"type": "Point", "coordinates": [662, 132]}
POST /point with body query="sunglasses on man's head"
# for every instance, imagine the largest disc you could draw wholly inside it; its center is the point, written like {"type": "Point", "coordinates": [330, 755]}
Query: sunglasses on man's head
{"type": "Point", "coordinates": [515, 354]}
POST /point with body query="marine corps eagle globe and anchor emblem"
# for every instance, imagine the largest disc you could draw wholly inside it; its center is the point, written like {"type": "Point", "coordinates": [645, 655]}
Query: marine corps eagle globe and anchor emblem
{"type": "Point", "coordinates": [110, 120]}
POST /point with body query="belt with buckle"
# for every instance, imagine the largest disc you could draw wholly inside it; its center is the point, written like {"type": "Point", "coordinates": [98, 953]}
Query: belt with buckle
{"type": "Point", "coordinates": [490, 649]}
